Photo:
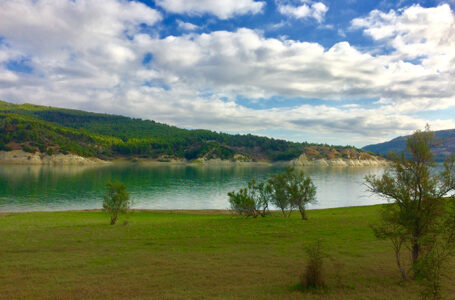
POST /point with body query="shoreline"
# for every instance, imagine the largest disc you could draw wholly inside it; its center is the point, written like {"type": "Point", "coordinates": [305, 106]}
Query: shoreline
{"type": "Point", "coordinates": [208, 211]}
{"type": "Point", "coordinates": [19, 157]}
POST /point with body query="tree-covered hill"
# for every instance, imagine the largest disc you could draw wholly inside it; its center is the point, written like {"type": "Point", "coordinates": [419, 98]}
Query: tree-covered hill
{"type": "Point", "coordinates": [445, 145]}
{"type": "Point", "coordinates": [56, 130]}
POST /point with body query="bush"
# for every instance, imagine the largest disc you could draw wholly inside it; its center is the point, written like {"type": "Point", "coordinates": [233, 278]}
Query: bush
{"type": "Point", "coordinates": [292, 189]}
{"type": "Point", "coordinates": [242, 203]}
{"type": "Point", "coordinates": [252, 201]}
{"type": "Point", "coordinates": [299, 189]}
{"type": "Point", "coordinates": [116, 200]}
{"type": "Point", "coordinates": [286, 190]}
{"type": "Point", "coordinates": [279, 196]}
{"type": "Point", "coordinates": [313, 277]}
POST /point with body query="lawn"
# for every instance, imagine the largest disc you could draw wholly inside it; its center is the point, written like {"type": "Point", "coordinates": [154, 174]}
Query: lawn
{"type": "Point", "coordinates": [169, 255]}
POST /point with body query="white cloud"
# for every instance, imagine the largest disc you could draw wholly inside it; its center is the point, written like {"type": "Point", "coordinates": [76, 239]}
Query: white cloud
{"type": "Point", "coordinates": [88, 55]}
{"type": "Point", "coordinates": [316, 10]}
{"type": "Point", "coordinates": [83, 47]}
{"type": "Point", "coordinates": [414, 32]}
{"type": "Point", "coordinates": [224, 9]}
{"type": "Point", "coordinates": [50, 26]}
{"type": "Point", "coordinates": [186, 26]}
{"type": "Point", "coordinates": [424, 36]}
{"type": "Point", "coordinates": [255, 67]}
{"type": "Point", "coordinates": [7, 77]}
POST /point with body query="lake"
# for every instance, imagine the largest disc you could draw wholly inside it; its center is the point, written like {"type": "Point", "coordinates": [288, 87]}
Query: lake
{"type": "Point", "coordinates": [32, 188]}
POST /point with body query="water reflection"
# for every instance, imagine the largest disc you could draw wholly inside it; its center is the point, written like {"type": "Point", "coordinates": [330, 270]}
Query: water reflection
{"type": "Point", "coordinates": [27, 188]}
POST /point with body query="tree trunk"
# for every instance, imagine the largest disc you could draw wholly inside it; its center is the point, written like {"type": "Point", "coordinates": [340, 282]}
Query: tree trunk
{"type": "Point", "coordinates": [303, 212]}
{"type": "Point", "coordinates": [403, 273]}
{"type": "Point", "coordinates": [113, 219]}
{"type": "Point", "coordinates": [415, 253]}
{"type": "Point", "coordinates": [415, 258]}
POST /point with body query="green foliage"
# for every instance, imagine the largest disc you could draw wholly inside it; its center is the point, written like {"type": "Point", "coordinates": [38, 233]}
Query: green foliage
{"type": "Point", "coordinates": [299, 189]}
{"type": "Point", "coordinates": [116, 200]}
{"type": "Point", "coordinates": [286, 190]}
{"type": "Point", "coordinates": [105, 136]}
{"type": "Point", "coordinates": [28, 149]}
{"type": "Point", "coordinates": [440, 247]}
{"type": "Point", "coordinates": [279, 194]}
{"type": "Point", "coordinates": [292, 189]}
{"type": "Point", "coordinates": [251, 201]}
{"type": "Point", "coordinates": [418, 217]}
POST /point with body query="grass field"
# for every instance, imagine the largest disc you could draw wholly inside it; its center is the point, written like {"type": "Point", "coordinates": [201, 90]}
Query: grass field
{"type": "Point", "coordinates": [165, 255]}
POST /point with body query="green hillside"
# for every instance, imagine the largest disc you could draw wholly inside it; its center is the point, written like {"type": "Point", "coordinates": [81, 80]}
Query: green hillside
{"type": "Point", "coordinates": [56, 130]}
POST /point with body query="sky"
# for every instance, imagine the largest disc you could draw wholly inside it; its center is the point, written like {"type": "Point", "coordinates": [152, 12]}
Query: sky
{"type": "Point", "coordinates": [351, 72]}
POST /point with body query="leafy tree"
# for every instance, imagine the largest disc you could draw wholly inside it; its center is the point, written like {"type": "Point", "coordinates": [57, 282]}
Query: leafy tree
{"type": "Point", "coordinates": [116, 200]}
{"type": "Point", "coordinates": [279, 193]}
{"type": "Point", "coordinates": [292, 189]}
{"type": "Point", "coordinates": [418, 214]}
{"type": "Point", "coordinates": [251, 201]}
{"type": "Point", "coordinates": [300, 189]}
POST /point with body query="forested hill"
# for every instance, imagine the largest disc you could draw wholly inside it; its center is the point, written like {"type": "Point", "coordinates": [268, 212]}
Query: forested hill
{"type": "Point", "coordinates": [445, 145]}
{"type": "Point", "coordinates": [55, 130]}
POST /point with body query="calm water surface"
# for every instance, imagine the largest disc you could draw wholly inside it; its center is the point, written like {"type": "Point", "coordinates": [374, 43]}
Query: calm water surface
{"type": "Point", "coordinates": [29, 188]}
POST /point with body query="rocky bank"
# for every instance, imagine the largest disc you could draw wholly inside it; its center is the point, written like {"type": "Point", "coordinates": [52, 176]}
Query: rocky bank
{"type": "Point", "coordinates": [302, 160]}
{"type": "Point", "coordinates": [20, 157]}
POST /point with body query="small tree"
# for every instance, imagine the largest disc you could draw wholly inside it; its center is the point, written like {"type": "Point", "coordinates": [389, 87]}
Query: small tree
{"type": "Point", "coordinates": [418, 212]}
{"type": "Point", "coordinates": [116, 200]}
{"type": "Point", "coordinates": [300, 190]}
{"type": "Point", "coordinates": [286, 190]}
{"type": "Point", "coordinates": [251, 201]}
{"type": "Point", "coordinates": [292, 189]}
{"type": "Point", "coordinates": [261, 195]}
{"type": "Point", "coordinates": [279, 193]}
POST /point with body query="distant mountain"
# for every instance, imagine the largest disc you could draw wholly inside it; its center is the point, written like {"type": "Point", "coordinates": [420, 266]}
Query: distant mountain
{"type": "Point", "coordinates": [55, 130]}
{"type": "Point", "coordinates": [445, 145]}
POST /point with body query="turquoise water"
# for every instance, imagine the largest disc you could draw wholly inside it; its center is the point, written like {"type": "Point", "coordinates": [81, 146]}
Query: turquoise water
{"type": "Point", "coordinates": [30, 188]}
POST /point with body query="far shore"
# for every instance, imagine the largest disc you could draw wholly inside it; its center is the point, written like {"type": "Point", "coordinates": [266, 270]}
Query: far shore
{"type": "Point", "coordinates": [19, 157]}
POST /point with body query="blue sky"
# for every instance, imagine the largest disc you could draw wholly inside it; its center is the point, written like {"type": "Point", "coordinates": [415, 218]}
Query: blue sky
{"type": "Point", "coordinates": [341, 72]}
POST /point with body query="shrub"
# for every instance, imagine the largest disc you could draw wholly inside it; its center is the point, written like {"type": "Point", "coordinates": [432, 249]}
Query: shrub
{"type": "Point", "coordinates": [300, 190]}
{"type": "Point", "coordinates": [242, 203]}
{"type": "Point", "coordinates": [286, 190]}
{"type": "Point", "coordinates": [313, 277]}
{"type": "Point", "coordinates": [292, 189]}
{"type": "Point", "coordinates": [279, 196]}
{"type": "Point", "coordinates": [251, 201]}
{"type": "Point", "coordinates": [116, 200]}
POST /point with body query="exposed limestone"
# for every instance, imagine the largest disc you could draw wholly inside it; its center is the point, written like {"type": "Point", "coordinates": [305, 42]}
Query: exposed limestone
{"type": "Point", "coordinates": [20, 157]}
{"type": "Point", "coordinates": [24, 158]}
{"type": "Point", "coordinates": [372, 161]}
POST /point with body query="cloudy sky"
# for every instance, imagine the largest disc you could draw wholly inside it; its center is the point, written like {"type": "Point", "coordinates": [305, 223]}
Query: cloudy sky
{"type": "Point", "coordinates": [339, 72]}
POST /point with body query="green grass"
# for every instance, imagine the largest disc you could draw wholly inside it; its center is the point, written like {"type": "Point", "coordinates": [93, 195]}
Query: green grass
{"type": "Point", "coordinates": [162, 255]}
